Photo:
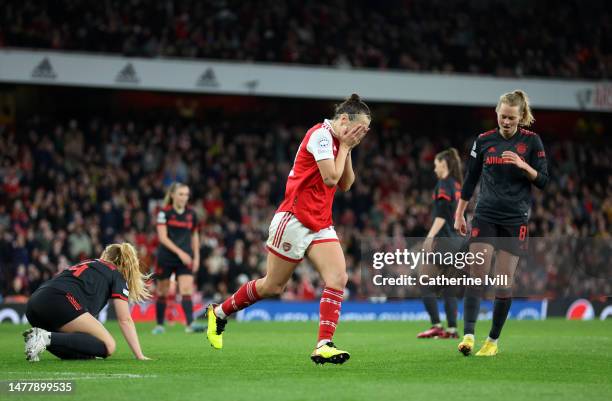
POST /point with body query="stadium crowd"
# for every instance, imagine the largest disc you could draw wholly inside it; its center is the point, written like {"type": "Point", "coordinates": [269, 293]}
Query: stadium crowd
{"type": "Point", "coordinates": [552, 38]}
{"type": "Point", "coordinates": [70, 187]}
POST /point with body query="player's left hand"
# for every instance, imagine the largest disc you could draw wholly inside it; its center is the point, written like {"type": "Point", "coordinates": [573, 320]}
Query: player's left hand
{"type": "Point", "coordinates": [510, 157]}
{"type": "Point", "coordinates": [361, 135]}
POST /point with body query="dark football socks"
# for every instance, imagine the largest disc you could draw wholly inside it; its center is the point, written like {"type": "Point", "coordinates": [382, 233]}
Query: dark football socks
{"type": "Point", "coordinates": [160, 310]}
{"type": "Point", "coordinates": [431, 306]}
{"type": "Point", "coordinates": [76, 346]}
{"type": "Point", "coordinates": [471, 308]}
{"type": "Point", "coordinates": [187, 305]}
{"type": "Point", "coordinates": [450, 307]}
{"type": "Point", "coordinates": [501, 307]}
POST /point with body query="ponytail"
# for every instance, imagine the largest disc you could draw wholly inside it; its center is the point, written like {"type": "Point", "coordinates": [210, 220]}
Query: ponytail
{"type": "Point", "coordinates": [171, 190]}
{"type": "Point", "coordinates": [518, 98]}
{"type": "Point", "coordinates": [124, 256]}
{"type": "Point", "coordinates": [453, 162]}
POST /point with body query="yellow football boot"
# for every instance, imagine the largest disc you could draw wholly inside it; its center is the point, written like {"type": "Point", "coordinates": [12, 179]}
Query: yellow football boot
{"type": "Point", "coordinates": [329, 353]}
{"type": "Point", "coordinates": [215, 329]}
{"type": "Point", "coordinates": [489, 348]}
{"type": "Point", "coordinates": [466, 345]}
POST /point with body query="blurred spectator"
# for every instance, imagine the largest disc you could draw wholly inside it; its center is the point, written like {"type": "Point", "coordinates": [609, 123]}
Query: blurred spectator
{"type": "Point", "coordinates": [66, 205]}
{"type": "Point", "coordinates": [556, 38]}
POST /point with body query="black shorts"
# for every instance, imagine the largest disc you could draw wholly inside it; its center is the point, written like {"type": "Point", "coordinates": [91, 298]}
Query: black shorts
{"type": "Point", "coordinates": [50, 308]}
{"type": "Point", "coordinates": [163, 271]}
{"type": "Point", "coordinates": [513, 239]}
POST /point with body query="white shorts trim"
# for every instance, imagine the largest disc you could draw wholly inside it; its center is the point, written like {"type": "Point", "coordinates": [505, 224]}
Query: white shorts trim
{"type": "Point", "coordinates": [289, 239]}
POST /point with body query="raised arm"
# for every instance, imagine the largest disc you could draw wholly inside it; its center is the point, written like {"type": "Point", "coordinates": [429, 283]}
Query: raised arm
{"type": "Point", "coordinates": [331, 169]}
{"type": "Point", "coordinates": [348, 177]}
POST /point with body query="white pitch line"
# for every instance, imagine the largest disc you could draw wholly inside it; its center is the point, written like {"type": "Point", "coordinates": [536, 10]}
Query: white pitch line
{"type": "Point", "coordinates": [77, 375]}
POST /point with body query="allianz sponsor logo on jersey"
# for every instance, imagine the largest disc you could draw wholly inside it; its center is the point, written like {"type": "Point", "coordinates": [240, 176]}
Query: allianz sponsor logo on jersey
{"type": "Point", "coordinates": [491, 160]}
{"type": "Point", "coordinates": [496, 160]}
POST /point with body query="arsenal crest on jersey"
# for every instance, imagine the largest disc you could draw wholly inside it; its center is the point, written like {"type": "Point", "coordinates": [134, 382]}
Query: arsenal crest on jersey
{"type": "Point", "coordinates": [521, 148]}
{"type": "Point", "coordinates": [286, 246]}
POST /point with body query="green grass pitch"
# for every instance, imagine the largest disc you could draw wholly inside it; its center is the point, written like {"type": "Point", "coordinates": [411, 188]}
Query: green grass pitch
{"type": "Point", "coordinates": [539, 360]}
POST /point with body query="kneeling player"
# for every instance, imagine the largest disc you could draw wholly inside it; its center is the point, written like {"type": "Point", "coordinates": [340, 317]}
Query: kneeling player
{"type": "Point", "coordinates": [62, 310]}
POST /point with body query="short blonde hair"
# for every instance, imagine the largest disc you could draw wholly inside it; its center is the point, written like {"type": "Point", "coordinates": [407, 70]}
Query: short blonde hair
{"type": "Point", "coordinates": [124, 256]}
{"type": "Point", "coordinates": [518, 98]}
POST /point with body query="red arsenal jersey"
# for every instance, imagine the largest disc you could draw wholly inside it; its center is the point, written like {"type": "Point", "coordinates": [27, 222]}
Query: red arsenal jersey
{"type": "Point", "coordinates": [306, 195]}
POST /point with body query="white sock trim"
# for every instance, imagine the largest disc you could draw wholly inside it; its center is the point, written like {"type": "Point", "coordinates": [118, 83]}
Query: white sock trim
{"type": "Point", "coordinates": [469, 336]}
{"type": "Point", "coordinates": [322, 343]}
{"type": "Point", "coordinates": [47, 338]}
{"type": "Point", "coordinates": [219, 312]}
{"type": "Point", "coordinates": [489, 339]}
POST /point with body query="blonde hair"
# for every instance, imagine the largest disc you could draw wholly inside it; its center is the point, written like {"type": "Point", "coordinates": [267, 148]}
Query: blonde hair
{"type": "Point", "coordinates": [518, 98]}
{"type": "Point", "coordinates": [171, 190]}
{"type": "Point", "coordinates": [125, 258]}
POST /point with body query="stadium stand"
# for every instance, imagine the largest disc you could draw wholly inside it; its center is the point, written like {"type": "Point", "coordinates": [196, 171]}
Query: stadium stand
{"type": "Point", "coordinates": [553, 38]}
{"type": "Point", "coordinates": [70, 187]}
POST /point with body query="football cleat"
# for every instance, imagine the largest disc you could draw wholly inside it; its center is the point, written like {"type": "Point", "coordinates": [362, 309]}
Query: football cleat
{"type": "Point", "coordinates": [489, 348]}
{"type": "Point", "coordinates": [158, 330]}
{"type": "Point", "coordinates": [329, 353]}
{"type": "Point", "coordinates": [433, 332]}
{"type": "Point", "coordinates": [215, 329]}
{"type": "Point", "coordinates": [450, 334]}
{"type": "Point", "coordinates": [466, 345]}
{"type": "Point", "coordinates": [36, 341]}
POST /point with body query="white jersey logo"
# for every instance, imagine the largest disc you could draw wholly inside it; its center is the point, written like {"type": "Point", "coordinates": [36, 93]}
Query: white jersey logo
{"type": "Point", "coordinates": [473, 152]}
{"type": "Point", "coordinates": [323, 145]}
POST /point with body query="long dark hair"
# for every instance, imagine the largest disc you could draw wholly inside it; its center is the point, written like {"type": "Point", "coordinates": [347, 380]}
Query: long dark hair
{"type": "Point", "coordinates": [453, 161]}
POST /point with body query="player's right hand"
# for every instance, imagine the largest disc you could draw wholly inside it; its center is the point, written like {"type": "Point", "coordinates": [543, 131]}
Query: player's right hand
{"type": "Point", "coordinates": [352, 137]}
{"type": "Point", "coordinates": [185, 258]}
{"type": "Point", "coordinates": [461, 225]}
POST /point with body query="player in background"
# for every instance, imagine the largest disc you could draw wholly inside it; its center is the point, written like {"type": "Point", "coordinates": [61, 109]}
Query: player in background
{"type": "Point", "coordinates": [447, 167]}
{"type": "Point", "coordinates": [178, 253]}
{"type": "Point", "coordinates": [62, 310]}
{"type": "Point", "coordinates": [302, 226]}
{"type": "Point", "coordinates": [510, 160]}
